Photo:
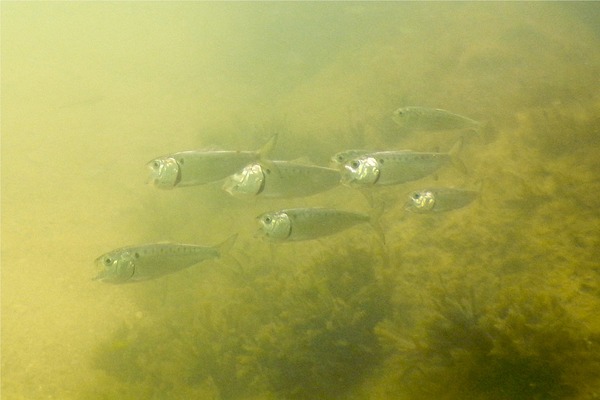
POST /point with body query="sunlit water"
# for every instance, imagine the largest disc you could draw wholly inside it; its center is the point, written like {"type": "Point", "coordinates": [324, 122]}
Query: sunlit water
{"type": "Point", "coordinates": [467, 304]}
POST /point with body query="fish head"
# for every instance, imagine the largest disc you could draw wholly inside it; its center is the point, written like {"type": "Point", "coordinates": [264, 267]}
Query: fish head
{"type": "Point", "coordinates": [249, 181]}
{"type": "Point", "coordinates": [420, 201]}
{"type": "Point", "coordinates": [165, 172]}
{"type": "Point", "coordinates": [360, 171]}
{"type": "Point", "coordinates": [116, 267]}
{"type": "Point", "coordinates": [275, 225]}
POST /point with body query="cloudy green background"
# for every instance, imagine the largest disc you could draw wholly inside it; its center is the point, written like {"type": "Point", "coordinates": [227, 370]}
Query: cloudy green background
{"type": "Point", "coordinates": [499, 300]}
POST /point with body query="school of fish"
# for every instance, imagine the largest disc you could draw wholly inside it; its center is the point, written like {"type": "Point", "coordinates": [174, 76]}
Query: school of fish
{"type": "Point", "coordinates": [252, 174]}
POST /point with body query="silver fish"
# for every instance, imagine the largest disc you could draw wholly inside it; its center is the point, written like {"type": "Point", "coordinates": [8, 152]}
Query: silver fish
{"type": "Point", "coordinates": [281, 179]}
{"type": "Point", "coordinates": [439, 200]}
{"type": "Point", "coordinates": [296, 224]}
{"type": "Point", "coordinates": [393, 167]}
{"type": "Point", "coordinates": [190, 168]}
{"type": "Point", "coordinates": [140, 263]}
{"type": "Point", "coordinates": [431, 119]}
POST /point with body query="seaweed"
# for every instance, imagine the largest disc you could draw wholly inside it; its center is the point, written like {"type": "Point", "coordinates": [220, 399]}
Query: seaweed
{"type": "Point", "coordinates": [296, 334]}
{"type": "Point", "coordinates": [320, 340]}
{"type": "Point", "coordinates": [486, 342]}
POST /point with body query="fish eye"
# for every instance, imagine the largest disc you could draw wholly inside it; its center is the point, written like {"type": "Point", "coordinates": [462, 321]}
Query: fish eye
{"type": "Point", "coordinates": [340, 158]}
{"type": "Point", "coordinates": [108, 261]}
{"type": "Point", "coordinates": [354, 164]}
{"type": "Point", "coordinates": [156, 164]}
{"type": "Point", "coordinates": [267, 220]}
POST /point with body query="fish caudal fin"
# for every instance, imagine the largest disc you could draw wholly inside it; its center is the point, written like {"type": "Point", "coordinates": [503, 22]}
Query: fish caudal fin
{"type": "Point", "coordinates": [265, 151]}
{"type": "Point", "coordinates": [268, 147]}
{"type": "Point", "coordinates": [224, 247]}
{"type": "Point", "coordinates": [456, 161]}
{"type": "Point", "coordinates": [227, 259]}
{"type": "Point", "coordinates": [374, 221]}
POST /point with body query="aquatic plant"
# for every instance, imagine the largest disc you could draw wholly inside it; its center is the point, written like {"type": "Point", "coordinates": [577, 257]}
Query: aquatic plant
{"type": "Point", "coordinates": [319, 342]}
{"type": "Point", "coordinates": [495, 343]}
{"type": "Point", "coordinates": [304, 333]}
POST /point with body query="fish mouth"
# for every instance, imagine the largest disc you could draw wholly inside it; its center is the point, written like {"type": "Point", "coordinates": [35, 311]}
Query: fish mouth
{"type": "Point", "coordinates": [102, 276]}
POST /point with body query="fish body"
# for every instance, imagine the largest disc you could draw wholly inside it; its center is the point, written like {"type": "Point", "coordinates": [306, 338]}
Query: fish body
{"type": "Point", "coordinates": [431, 119]}
{"type": "Point", "coordinates": [280, 179]}
{"type": "Point", "coordinates": [394, 167]}
{"type": "Point", "coordinates": [191, 168]}
{"type": "Point", "coordinates": [144, 262]}
{"type": "Point", "coordinates": [307, 223]}
{"type": "Point", "coordinates": [439, 200]}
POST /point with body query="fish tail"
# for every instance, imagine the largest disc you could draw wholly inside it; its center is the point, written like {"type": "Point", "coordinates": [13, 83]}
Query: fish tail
{"type": "Point", "coordinates": [487, 131]}
{"type": "Point", "coordinates": [456, 161]}
{"type": "Point", "coordinates": [265, 151]}
{"type": "Point", "coordinates": [374, 221]}
{"type": "Point", "coordinates": [368, 195]}
{"type": "Point", "coordinates": [230, 261]}
{"type": "Point", "coordinates": [226, 245]}
{"type": "Point", "coordinates": [479, 188]}
{"type": "Point", "coordinates": [268, 147]}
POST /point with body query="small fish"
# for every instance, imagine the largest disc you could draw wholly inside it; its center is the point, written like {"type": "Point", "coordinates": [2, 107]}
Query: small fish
{"type": "Point", "coordinates": [439, 200]}
{"type": "Point", "coordinates": [431, 119]}
{"type": "Point", "coordinates": [393, 167]}
{"type": "Point", "coordinates": [296, 224]}
{"type": "Point", "coordinates": [281, 179]}
{"type": "Point", "coordinates": [190, 168]}
{"type": "Point", "coordinates": [140, 263]}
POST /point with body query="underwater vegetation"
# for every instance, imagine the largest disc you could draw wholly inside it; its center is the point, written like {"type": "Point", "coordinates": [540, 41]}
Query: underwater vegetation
{"type": "Point", "coordinates": [486, 342]}
{"type": "Point", "coordinates": [305, 333]}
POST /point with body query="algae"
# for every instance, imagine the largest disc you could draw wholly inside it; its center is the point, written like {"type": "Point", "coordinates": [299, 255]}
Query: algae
{"type": "Point", "coordinates": [484, 341]}
{"type": "Point", "coordinates": [300, 334]}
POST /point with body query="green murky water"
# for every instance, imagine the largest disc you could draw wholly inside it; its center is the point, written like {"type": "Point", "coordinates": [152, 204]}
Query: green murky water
{"type": "Point", "coordinates": [499, 300]}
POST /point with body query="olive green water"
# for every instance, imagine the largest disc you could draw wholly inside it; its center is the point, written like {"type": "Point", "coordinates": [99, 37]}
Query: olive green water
{"type": "Point", "coordinates": [499, 300]}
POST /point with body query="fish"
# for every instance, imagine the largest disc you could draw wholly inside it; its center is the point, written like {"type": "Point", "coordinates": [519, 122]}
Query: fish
{"type": "Point", "coordinates": [150, 261]}
{"type": "Point", "coordinates": [434, 200]}
{"type": "Point", "coordinates": [281, 179]}
{"type": "Point", "coordinates": [431, 119]}
{"type": "Point", "coordinates": [297, 224]}
{"type": "Point", "coordinates": [394, 167]}
{"type": "Point", "coordinates": [191, 168]}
